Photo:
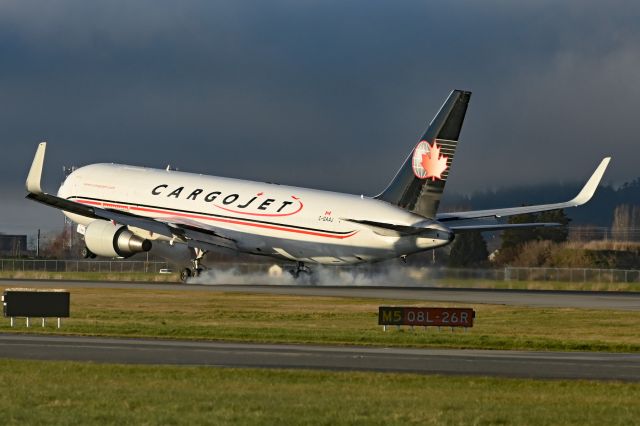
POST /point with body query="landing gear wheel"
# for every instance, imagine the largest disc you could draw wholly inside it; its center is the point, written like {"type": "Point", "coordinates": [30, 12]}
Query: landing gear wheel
{"type": "Point", "coordinates": [294, 273]}
{"type": "Point", "coordinates": [300, 269]}
{"type": "Point", "coordinates": [197, 270]}
{"type": "Point", "coordinates": [86, 253]}
{"type": "Point", "coordinates": [185, 274]}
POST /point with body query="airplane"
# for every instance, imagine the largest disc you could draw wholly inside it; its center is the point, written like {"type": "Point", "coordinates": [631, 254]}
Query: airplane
{"type": "Point", "coordinates": [122, 210]}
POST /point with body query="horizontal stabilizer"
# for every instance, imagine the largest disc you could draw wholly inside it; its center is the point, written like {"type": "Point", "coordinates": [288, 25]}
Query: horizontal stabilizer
{"type": "Point", "coordinates": [387, 229]}
{"type": "Point", "coordinates": [393, 230]}
{"type": "Point", "coordinates": [501, 227]}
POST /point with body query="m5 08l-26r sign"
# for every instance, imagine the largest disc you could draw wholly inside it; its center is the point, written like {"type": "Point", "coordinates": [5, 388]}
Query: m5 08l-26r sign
{"type": "Point", "coordinates": [415, 316]}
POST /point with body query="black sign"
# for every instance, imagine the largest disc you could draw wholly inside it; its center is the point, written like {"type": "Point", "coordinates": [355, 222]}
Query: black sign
{"type": "Point", "coordinates": [44, 304]}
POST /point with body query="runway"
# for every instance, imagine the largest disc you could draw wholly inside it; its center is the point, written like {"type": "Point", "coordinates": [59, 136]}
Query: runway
{"type": "Point", "coordinates": [539, 365]}
{"type": "Point", "coordinates": [534, 298]}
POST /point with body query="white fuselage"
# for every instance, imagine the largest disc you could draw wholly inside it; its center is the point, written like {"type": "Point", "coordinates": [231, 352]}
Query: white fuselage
{"type": "Point", "coordinates": [262, 218]}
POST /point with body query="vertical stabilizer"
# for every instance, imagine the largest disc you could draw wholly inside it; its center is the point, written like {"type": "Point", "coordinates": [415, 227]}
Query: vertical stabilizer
{"type": "Point", "coordinates": [419, 183]}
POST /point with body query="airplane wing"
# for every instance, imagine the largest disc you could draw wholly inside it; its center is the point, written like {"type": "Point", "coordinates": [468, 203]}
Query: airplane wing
{"type": "Point", "coordinates": [583, 196]}
{"type": "Point", "coordinates": [192, 233]}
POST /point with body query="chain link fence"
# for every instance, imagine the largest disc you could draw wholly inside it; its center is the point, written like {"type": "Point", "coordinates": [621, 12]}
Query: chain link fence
{"type": "Point", "coordinates": [80, 265]}
{"type": "Point", "coordinates": [577, 275]}
{"type": "Point", "coordinates": [572, 275]}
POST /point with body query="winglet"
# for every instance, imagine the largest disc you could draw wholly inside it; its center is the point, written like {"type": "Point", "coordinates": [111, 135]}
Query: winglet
{"type": "Point", "coordinates": [592, 184]}
{"type": "Point", "coordinates": [35, 173]}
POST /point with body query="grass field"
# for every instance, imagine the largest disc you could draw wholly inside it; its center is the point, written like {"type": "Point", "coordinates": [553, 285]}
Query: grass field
{"type": "Point", "coordinates": [48, 392]}
{"type": "Point", "coordinates": [539, 285]}
{"type": "Point", "coordinates": [38, 392]}
{"type": "Point", "coordinates": [332, 320]}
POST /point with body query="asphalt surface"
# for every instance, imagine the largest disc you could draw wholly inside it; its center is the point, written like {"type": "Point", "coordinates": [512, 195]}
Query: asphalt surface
{"type": "Point", "coordinates": [535, 298]}
{"type": "Point", "coordinates": [539, 365]}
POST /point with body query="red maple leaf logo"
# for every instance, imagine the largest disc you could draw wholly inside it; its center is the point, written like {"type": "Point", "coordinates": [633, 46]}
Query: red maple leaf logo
{"type": "Point", "coordinates": [433, 162]}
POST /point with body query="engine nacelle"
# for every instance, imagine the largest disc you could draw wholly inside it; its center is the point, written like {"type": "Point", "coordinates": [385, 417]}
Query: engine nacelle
{"type": "Point", "coordinates": [106, 239]}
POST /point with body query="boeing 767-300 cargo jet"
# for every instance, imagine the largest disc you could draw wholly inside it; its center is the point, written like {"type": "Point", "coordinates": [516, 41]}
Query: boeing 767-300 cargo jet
{"type": "Point", "coordinates": [122, 210]}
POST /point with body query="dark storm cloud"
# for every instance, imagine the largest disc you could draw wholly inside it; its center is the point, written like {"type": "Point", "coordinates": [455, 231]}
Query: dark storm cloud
{"type": "Point", "coordinates": [322, 94]}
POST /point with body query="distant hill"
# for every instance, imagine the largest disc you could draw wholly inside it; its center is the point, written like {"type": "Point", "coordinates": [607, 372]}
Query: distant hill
{"type": "Point", "coordinates": [599, 211]}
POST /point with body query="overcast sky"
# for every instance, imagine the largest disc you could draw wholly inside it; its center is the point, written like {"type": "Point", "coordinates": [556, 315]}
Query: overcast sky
{"type": "Point", "coordinates": [325, 94]}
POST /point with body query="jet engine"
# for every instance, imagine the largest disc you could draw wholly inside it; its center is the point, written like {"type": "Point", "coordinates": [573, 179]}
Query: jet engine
{"type": "Point", "coordinates": [109, 240]}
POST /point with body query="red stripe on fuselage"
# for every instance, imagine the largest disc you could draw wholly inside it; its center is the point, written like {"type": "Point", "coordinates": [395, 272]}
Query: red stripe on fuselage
{"type": "Point", "coordinates": [214, 219]}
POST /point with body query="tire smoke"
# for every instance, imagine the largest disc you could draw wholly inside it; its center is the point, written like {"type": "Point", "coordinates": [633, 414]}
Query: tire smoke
{"type": "Point", "coordinates": [378, 275]}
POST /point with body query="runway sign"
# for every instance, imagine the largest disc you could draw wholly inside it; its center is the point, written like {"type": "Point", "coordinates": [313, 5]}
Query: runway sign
{"type": "Point", "coordinates": [36, 303]}
{"type": "Point", "coordinates": [437, 317]}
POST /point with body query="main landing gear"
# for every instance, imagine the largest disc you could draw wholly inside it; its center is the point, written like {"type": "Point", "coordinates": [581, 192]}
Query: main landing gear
{"type": "Point", "coordinates": [299, 269]}
{"type": "Point", "coordinates": [187, 273]}
{"type": "Point", "coordinates": [86, 253]}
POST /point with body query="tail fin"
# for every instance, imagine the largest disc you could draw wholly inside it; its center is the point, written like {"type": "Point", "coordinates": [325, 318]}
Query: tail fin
{"type": "Point", "coordinates": [419, 183]}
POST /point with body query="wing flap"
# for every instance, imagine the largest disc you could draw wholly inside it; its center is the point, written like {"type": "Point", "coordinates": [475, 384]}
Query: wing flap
{"type": "Point", "coordinates": [192, 230]}
{"type": "Point", "coordinates": [128, 219]}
